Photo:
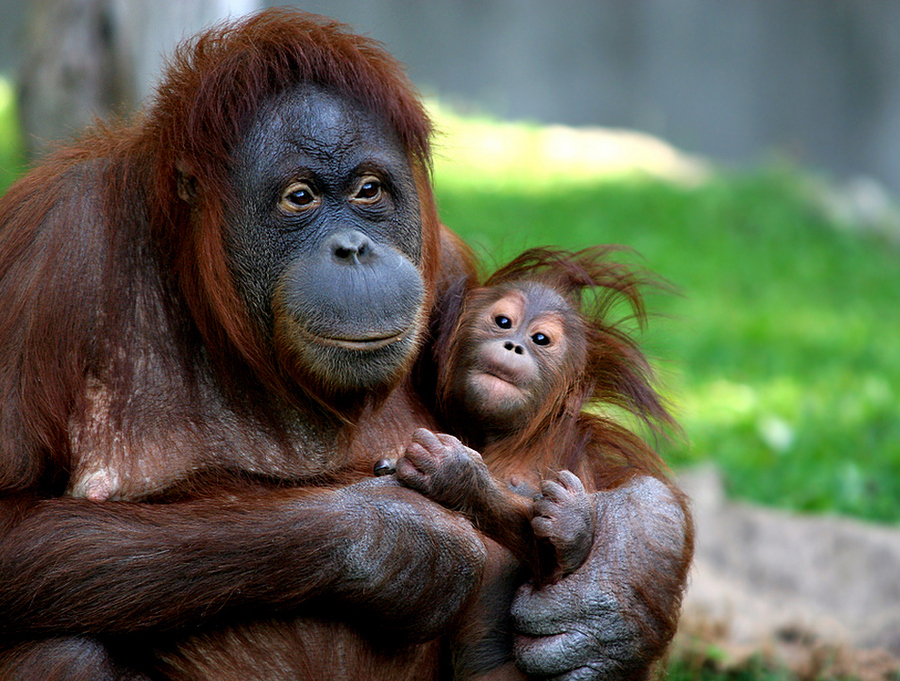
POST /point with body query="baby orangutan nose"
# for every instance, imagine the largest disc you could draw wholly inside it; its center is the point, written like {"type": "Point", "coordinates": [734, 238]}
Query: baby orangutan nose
{"type": "Point", "coordinates": [512, 347]}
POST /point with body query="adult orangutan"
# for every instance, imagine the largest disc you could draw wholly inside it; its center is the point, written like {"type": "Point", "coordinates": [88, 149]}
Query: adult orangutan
{"type": "Point", "coordinates": [207, 324]}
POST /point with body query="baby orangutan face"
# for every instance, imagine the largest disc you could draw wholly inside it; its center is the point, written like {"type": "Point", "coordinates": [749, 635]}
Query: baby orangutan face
{"type": "Point", "coordinates": [516, 348]}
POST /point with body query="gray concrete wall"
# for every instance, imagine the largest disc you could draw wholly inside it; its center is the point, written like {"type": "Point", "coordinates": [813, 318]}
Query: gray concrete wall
{"type": "Point", "coordinates": [734, 79]}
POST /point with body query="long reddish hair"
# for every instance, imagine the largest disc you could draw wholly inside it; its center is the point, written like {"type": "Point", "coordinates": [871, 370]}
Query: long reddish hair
{"type": "Point", "coordinates": [102, 229]}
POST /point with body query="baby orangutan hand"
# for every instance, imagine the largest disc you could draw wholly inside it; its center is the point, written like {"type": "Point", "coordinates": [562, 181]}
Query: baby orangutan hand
{"type": "Point", "coordinates": [442, 468]}
{"type": "Point", "coordinates": [564, 516]}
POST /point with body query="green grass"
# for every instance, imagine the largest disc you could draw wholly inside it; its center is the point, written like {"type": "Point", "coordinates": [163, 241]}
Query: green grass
{"type": "Point", "coordinates": [781, 354]}
{"type": "Point", "coordinates": [11, 161]}
{"type": "Point", "coordinates": [707, 670]}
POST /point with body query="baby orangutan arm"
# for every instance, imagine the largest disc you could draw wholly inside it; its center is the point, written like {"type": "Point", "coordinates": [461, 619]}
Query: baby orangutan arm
{"type": "Point", "coordinates": [551, 535]}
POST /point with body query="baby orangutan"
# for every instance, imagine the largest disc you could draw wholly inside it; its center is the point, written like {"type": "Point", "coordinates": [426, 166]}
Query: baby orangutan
{"type": "Point", "coordinates": [518, 359]}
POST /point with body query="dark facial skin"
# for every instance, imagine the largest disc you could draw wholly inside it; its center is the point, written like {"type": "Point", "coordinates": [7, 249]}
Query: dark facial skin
{"type": "Point", "coordinates": [516, 354]}
{"type": "Point", "coordinates": [327, 242]}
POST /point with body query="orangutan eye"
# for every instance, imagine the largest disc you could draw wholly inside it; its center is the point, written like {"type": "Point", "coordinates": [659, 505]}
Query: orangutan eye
{"type": "Point", "coordinates": [540, 339]}
{"type": "Point", "coordinates": [298, 197]}
{"type": "Point", "coordinates": [370, 190]}
{"type": "Point", "coordinates": [503, 322]}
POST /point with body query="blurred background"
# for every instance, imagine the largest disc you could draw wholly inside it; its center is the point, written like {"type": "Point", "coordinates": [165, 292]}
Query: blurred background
{"type": "Point", "coordinates": [818, 81]}
{"type": "Point", "coordinates": [749, 153]}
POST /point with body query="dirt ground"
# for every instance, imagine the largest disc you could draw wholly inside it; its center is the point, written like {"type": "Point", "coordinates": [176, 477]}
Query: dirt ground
{"type": "Point", "coordinates": [820, 595]}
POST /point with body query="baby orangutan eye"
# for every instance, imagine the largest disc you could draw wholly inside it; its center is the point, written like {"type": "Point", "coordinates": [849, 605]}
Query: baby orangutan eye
{"type": "Point", "coordinates": [540, 339]}
{"type": "Point", "coordinates": [503, 322]}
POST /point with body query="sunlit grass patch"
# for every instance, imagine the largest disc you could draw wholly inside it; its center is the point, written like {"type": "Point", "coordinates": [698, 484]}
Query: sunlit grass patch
{"type": "Point", "coordinates": [474, 151]}
{"type": "Point", "coordinates": [10, 136]}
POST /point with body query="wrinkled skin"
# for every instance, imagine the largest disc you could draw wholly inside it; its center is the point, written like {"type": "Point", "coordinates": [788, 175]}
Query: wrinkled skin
{"type": "Point", "coordinates": [334, 262]}
{"type": "Point", "coordinates": [589, 625]}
